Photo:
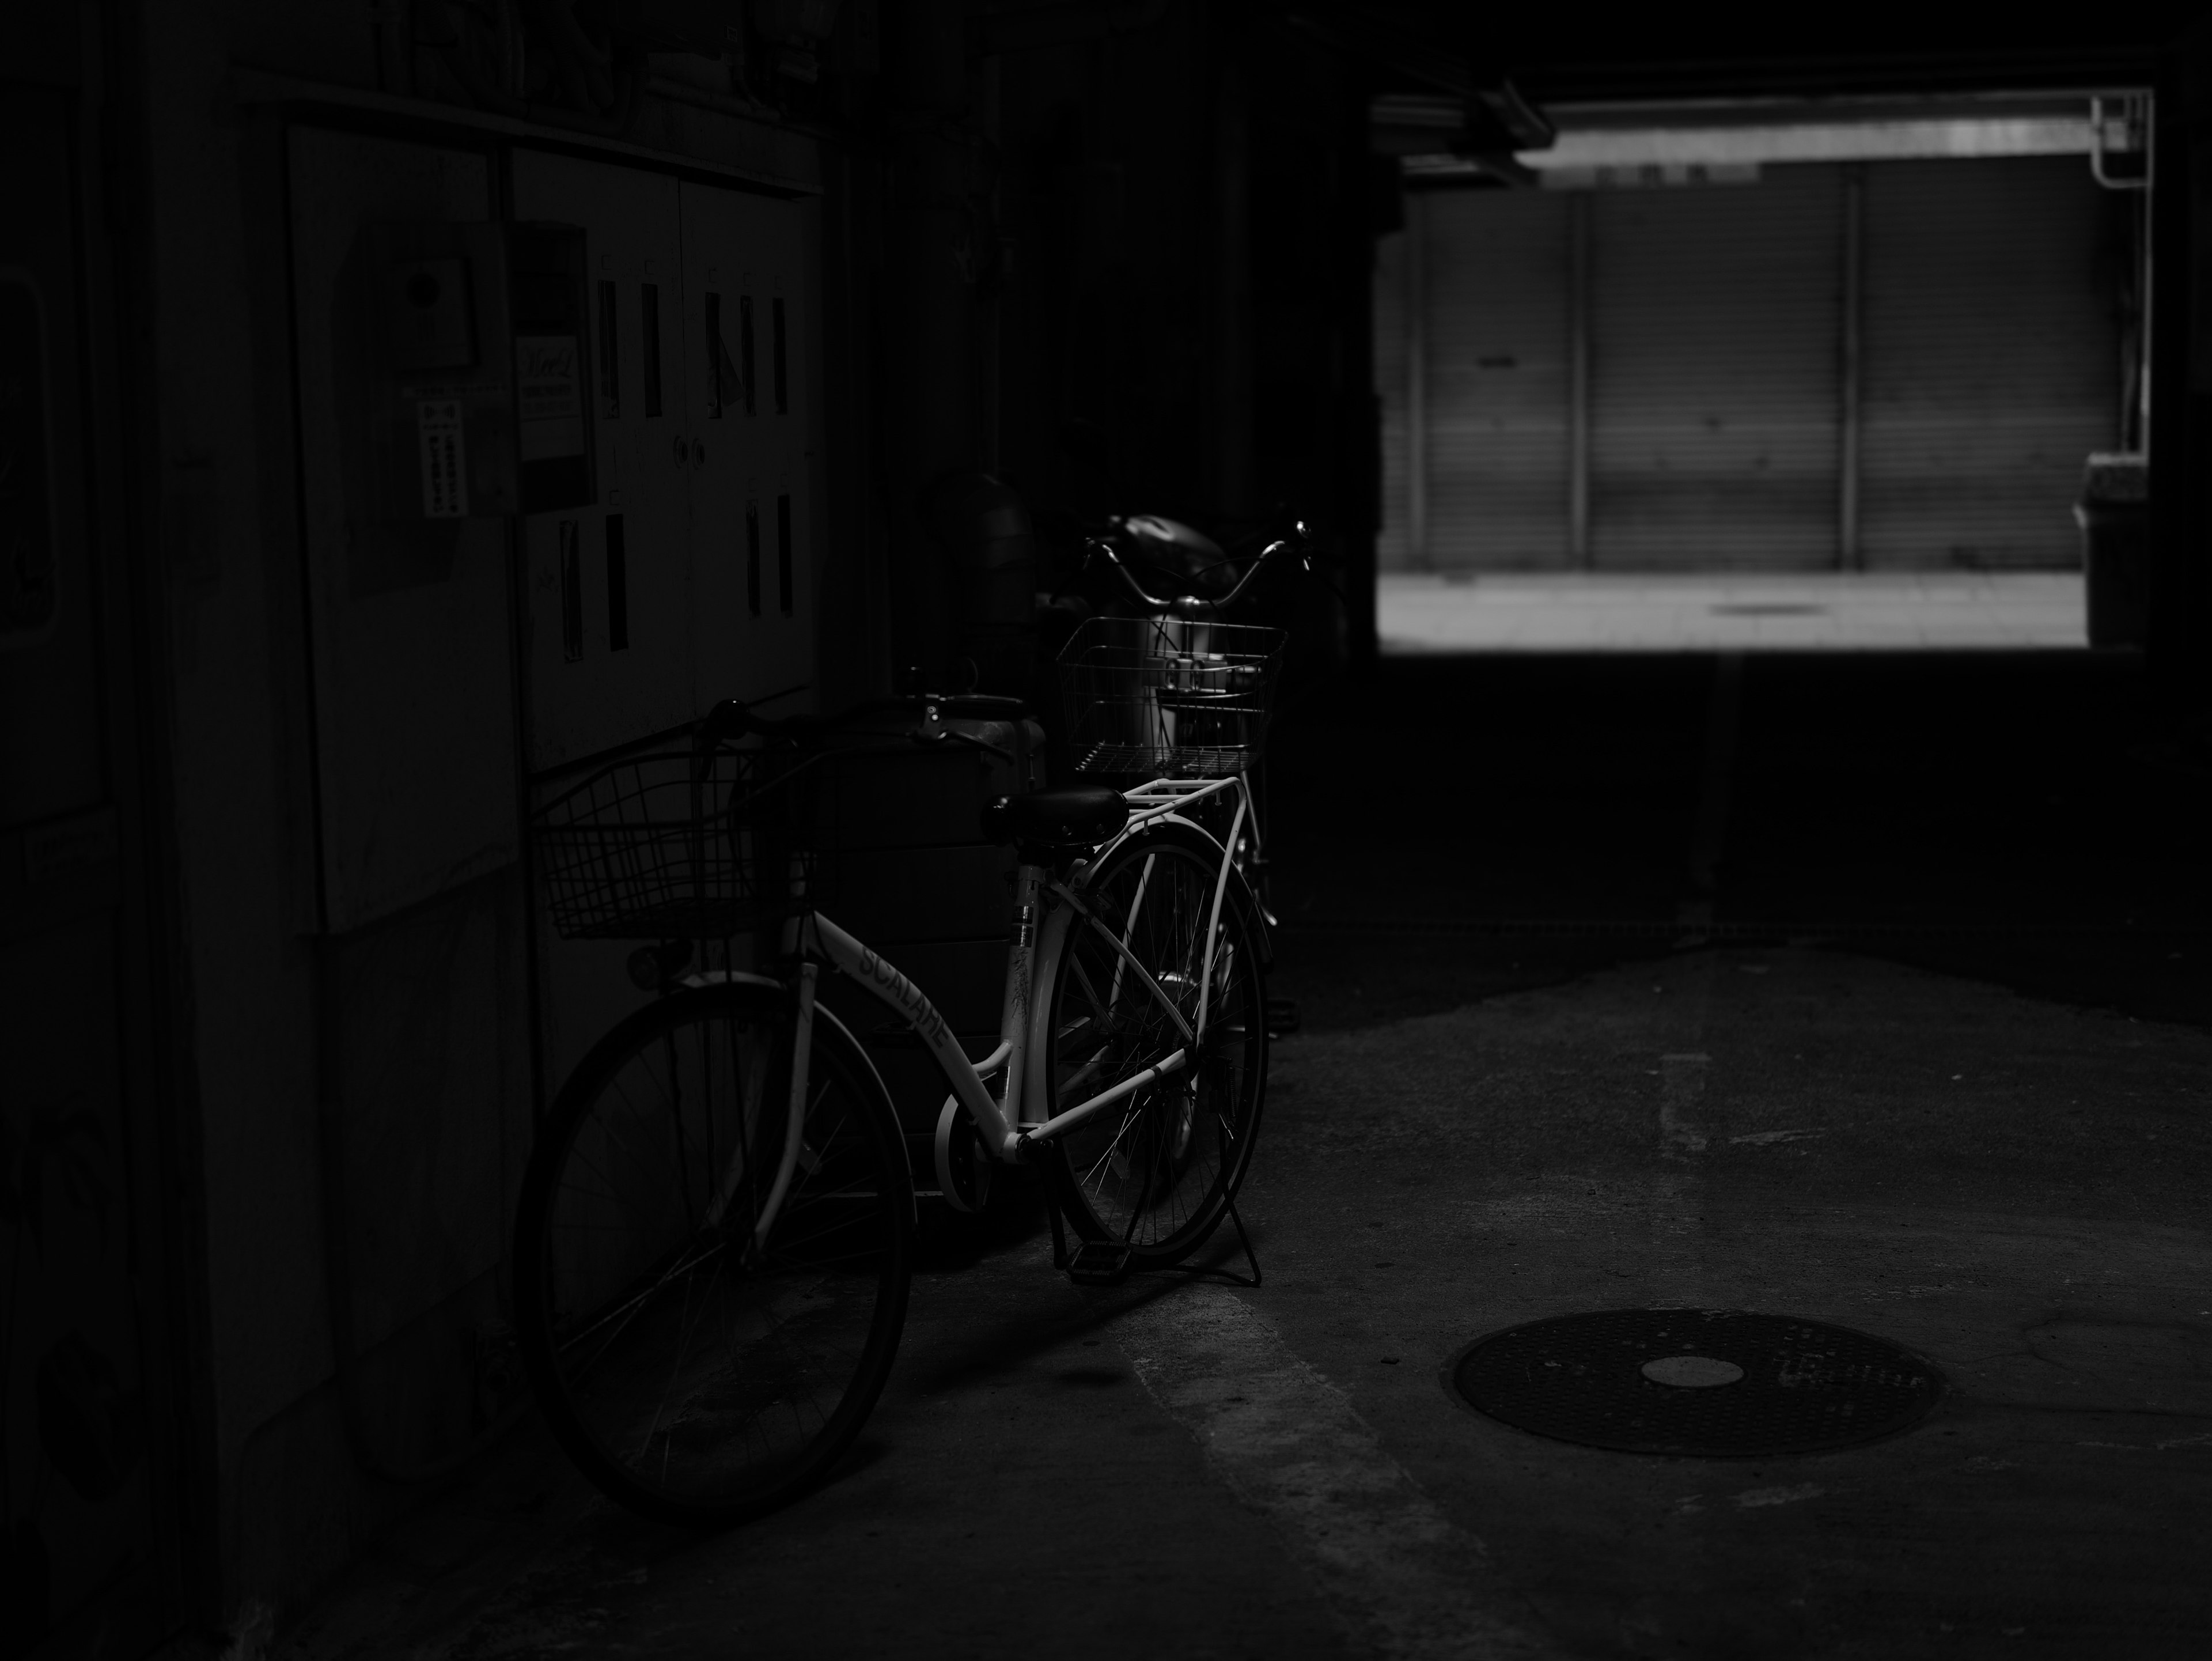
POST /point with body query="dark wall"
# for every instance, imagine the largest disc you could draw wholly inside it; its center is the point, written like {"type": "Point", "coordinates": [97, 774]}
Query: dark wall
{"type": "Point", "coordinates": [1896, 46]}
{"type": "Point", "coordinates": [1113, 195]}
{"type": "Point", "coordinates": [1155, 232]}
{"type": "Point", "coordinates": [2181, 376]}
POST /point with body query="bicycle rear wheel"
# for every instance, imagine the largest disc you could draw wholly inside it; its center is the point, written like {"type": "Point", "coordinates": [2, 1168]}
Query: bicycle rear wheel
{"type": "Point", "coordinates": [694, 1373]}
{"type": "Point", "coordinates": [1157, 1169]}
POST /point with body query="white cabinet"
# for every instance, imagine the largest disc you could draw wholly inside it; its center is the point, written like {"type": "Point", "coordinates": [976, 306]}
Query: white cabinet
{"type": "Point", "coordinates": [606, 601]}
{"type": "Point", "coordinates": [749, 390]}
{"type": "Point", "coordinates": [412, 688]}
{"type": "Point", "coordinates": [691, 580]}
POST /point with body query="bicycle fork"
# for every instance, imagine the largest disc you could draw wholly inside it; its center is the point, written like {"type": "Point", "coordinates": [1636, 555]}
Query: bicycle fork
{"type": "Point", "coordinates": [802, 1052]}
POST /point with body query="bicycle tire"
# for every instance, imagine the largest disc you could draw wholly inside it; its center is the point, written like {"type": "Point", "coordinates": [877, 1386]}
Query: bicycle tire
{"type": "Point", "coordinates": [693, 1380]}
{"type": "Point", "coordinates": [1156, 1172]}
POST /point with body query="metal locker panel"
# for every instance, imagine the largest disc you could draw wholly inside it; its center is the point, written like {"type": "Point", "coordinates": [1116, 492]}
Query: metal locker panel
{"type": "Point", "coordinates": [1991, 360]}
{"type": "Point", "coordinates": [748, 327]}
{"type": "Point", "coordinates": [1496, 372]}
{"type": "Point", "coordinates": [1715, 397]}
{"type": "Point", "coordinates": [432, 1042]}
{"type": "Point", "coordinates": [608, 589]}
{"type": "Point", "coordinates": [413, 686]}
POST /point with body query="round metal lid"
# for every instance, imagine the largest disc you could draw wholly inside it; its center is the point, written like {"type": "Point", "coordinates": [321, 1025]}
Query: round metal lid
{"type": "Point", "coordinates": [1711, 1383]}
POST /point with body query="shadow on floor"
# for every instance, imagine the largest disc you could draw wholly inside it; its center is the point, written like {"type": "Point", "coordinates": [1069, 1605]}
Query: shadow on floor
{"type": "Point", "coordinates": [1464, 826]}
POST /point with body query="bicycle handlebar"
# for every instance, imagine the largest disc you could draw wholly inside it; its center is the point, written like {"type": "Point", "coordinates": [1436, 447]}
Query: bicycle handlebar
{"type": "Point", "coordinates": [1194, 605]}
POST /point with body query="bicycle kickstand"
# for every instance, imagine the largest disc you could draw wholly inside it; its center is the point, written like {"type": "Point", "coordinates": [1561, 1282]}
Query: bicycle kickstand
{"type": "Point", "coordinates": [1058, 1231]}
{"type": "Point", "coordinates": [1244, 1240]}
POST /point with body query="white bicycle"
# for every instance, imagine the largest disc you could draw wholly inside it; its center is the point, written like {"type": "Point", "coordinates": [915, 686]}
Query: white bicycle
{"type": "Point", "coordinates": [715, 1239]}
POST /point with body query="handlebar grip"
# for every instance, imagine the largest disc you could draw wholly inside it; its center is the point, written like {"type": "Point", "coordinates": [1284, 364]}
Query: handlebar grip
{"type": "Point", "coordinates": [1280, 545]}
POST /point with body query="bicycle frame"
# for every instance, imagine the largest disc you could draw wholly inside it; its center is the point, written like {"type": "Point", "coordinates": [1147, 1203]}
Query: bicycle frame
{"type": "Point", "coordinates": [1021, 1048]}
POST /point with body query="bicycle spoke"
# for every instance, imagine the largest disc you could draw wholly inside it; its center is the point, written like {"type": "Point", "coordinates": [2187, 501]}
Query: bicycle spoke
{"type": "Point", "coordinates": [1129, 1121]}
{"type": "Point", "coordinates": [625, 1314]}
{"type": "Point", "coordinates": [675, 1368]}
{"type": "Point", "coordinates": [1157, 1173]}
{"type": "Point", "coordinates": [698, 1372]}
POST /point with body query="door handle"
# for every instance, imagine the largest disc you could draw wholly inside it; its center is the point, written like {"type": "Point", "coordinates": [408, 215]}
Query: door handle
{"type": "Point", "coordinates": [683, 450]}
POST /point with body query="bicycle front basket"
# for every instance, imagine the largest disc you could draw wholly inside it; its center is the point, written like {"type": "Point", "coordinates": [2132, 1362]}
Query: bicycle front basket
{"type": "Point", "coordinates": [1164, 695]}
{"type": "Point", "coordinates": [676, 846]}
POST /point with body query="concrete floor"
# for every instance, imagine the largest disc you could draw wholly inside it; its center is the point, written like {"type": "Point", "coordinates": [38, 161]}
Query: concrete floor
{"type": "Point", "coordinates": [1788, 612]}
{"type": "Point", "coordinates": [1870, 992]}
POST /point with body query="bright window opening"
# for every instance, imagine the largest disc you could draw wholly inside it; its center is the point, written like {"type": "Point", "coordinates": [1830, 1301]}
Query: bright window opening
{"type": "Point", "coordinates": [1756, 377]}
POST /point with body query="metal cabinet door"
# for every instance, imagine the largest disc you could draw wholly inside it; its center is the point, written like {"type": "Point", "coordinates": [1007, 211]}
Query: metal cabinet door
{"type": "Point", "coordinates": [749, 299]}
{"type": "Point", "coordinates": [414, 704]}
{"type": "Point", "coordinates": [608, 589]}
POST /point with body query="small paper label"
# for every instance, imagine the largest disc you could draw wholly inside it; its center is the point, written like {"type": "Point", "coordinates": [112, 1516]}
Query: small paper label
{"type": "Point", "coordinates": [549, 396]}
{"type": "Point", "coordinates": [58, 853]}
{"type": "Point", "coordinates": [445, 460]}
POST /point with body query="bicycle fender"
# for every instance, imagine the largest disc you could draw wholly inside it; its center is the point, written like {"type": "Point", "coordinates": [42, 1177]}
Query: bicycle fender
{"type": "Point", "coordinates": [1099, 858]}
{"type": "Point", "coordinates": [822, 1011]}
{"type": "Point", "coordinates": [964, 1169]}
{"type": "Point", "coordinates": [1044, 972]}
{"type": "Point", "coordinates": [1241, 889]}
{"type": "Point", "coordinates": [1052, 939]}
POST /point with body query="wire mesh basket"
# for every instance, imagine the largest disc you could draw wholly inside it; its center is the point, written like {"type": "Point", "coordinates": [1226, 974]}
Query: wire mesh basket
{"type": "Point", "coordinates": [1167, 696]}
{"type": "Point", "coordinates": [688, 845]}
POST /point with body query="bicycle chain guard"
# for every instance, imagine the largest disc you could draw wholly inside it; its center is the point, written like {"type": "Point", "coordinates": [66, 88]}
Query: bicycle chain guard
{"type": "Point", "coordinates": [963, 1166]}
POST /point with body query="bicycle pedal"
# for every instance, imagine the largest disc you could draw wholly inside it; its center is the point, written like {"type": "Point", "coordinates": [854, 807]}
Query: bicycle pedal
{"type": "Point", "coordinates": [1098, 1264]}
{"type": "Point", "coordinates": [1282, 1016]}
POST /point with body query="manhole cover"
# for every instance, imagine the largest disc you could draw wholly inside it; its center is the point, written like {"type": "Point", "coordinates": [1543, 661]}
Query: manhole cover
{"type": "Point", "coordinates": [1711, 1382]}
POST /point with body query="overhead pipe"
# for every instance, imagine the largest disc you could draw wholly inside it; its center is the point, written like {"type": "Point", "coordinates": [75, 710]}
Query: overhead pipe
{"type": "Point", "coordinates": [2132, 120]}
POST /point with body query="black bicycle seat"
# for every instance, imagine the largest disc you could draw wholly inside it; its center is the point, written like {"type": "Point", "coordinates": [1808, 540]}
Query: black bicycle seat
{"type": "Point", "coordinates": [1080, 816]}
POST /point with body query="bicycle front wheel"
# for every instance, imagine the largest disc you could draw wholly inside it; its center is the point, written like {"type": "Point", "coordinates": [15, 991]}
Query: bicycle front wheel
{"type": "Point", "coordinates": [696, 1371]}
{"type": "Point", "coordinates": [1157, 1169]}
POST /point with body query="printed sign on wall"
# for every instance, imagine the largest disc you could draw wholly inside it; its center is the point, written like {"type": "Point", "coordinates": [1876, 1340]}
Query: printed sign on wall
{"type": "Point", "coordinates": [550, 396]}
{"type": "Point", "coordinates": [445, 460]}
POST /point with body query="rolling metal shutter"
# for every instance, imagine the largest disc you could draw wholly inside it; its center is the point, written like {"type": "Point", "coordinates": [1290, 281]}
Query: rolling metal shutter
{"type": "Point", "coordinates": [1715, 427]}
{"type": "Point", "coordinates": [1987, 370]}
{"type": "Point", "coordinates": [1991, 365]}
{"type": "Point", "coordinates": [1394, 542]}
{"type": "Point", "coordinates": [1497, 392]}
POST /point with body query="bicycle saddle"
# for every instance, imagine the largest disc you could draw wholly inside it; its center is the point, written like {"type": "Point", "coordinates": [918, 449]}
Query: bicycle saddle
{"type": "Point", "coordinates": [1080, 816]}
